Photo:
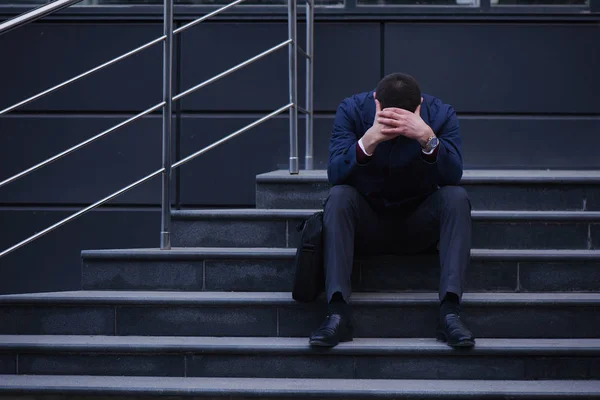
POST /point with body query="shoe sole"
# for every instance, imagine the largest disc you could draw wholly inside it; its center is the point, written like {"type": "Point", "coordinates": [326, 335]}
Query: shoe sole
{"type": "Point", "coordinates": [462, 345]}
{"type": "Point", "coordinates": [457, 345]}
{"type": "Point", "coordinates": [319, 343]}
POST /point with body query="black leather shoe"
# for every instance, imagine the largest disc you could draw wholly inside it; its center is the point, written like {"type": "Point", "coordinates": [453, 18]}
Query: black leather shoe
{"type": "Point", "coordinates": [333, 330]}
{"type": "Point", "coordinates": [454, 332]}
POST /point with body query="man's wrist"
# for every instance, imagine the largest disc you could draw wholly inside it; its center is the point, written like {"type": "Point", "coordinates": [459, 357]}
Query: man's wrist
{"type": "Point", "coordinates": [424, 139]}
{"type": "Point", "coordinates": [361, 144]}
{"type": "Point", "coordinates": [368, 143]}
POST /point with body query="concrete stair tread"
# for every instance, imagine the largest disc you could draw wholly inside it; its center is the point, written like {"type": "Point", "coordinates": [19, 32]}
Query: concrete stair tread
{"type": "Point", "coordinates": [294, 345]}
{"type": "Point", "coordinates": [193, 252]}
{"type": "Point", "coordinates": [483, 215]}
{"type": "Point", "coordinates": [285, 298]}
{"type": "Point", "coordinates": [271, 252]}
{"type": "Point", "coordinates": [502, 229]}
{"type": "Point", "coordinates": [469, 176]}
{"type": "Point", "coordinates": [341, 388]}
{"type": "Point", "coordinates": [487, 189]}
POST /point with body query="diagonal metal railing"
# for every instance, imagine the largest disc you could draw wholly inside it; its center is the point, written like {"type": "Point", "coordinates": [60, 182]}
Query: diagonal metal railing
{"type": "Point", "coordinates": [168, 99]}
{"type": "Point", "coordinates": [83, 75]}
{"type": "Point", "coordinates": [143, 180]}
{"type": "Point", "coordinates": [35, 14]}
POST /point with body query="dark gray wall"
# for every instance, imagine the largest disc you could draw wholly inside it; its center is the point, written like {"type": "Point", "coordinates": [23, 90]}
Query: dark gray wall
{"type": "Point", "coordinates": [526, 94]}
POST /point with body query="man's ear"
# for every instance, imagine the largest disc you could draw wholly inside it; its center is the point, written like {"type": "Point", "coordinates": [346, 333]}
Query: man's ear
{"type": "Point", "coordinates": [418, 110]}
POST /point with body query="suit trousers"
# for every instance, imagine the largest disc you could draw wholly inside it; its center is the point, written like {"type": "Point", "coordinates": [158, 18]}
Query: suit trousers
{"type": "Point", "coordinates": [351, 226]}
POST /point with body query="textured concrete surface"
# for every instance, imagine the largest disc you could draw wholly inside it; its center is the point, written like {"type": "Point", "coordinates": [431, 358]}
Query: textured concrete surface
{"type": "Point", "coordinates": [543, 315]}
{"type": "Point", "coordinates": [8, 364]}
{"type": "Point", "coordinates": [277, 228]}
{"type": "Point", "coordinates": [101, 364]}
{"type": "Point", "coordinates": [292, 345]}
{"type": "Point", "coordinates": [469, 176]}
{"type": "Point", "coordinates": [142, 275]}
{"type": "Point", "coordinates": [488, 189]}
{"type": "Point", "coordinates": [566, 276]}
{"type": "Point", "coordinates": [282, 388]}
{"type": "Point", "coordinates": [56, 320]}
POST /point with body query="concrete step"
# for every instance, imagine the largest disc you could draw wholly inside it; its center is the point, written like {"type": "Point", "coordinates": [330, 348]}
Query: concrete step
{"type": "Point", "coordinates": [134, 388]}
{"type": "Point", "coordinates": [488, 189]}
{"type": "Point", "coordinates": [492, 359]}
{"type": "Point", "coordinates": [491, 229]}
{"type": "Point", "coordinates": [273, 314]}
{"type": "Point", "coordinates": [271, 269]}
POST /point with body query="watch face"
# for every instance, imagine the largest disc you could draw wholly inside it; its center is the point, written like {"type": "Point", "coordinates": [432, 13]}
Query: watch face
{"type": "Point", "coordinates": [433, 143]}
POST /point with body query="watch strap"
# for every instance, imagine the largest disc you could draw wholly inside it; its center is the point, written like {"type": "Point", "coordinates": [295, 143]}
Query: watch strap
{"type": "Point", "coordinates": [428, 149]}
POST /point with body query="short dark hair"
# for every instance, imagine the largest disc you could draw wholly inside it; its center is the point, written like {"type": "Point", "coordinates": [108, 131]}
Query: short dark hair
{"type": "Point", "coordinates": [399, 91]}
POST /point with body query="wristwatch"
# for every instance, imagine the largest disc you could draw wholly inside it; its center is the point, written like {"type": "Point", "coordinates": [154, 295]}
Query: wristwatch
{"type": "Point", "coordinates": [431, 144]}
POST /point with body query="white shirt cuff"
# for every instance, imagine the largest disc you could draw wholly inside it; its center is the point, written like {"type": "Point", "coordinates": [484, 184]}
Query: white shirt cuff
{"type": "Point", "coordinates": [362, 147]}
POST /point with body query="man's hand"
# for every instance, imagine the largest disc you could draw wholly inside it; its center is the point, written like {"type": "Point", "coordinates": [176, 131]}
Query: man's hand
{"type": "Point", "coordinates": [375, 134]}
{"type": "Point", "coordinates": [396, 122]}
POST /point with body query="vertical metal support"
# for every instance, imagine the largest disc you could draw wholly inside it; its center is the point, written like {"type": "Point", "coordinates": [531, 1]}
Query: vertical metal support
{"type": "Point", "coordinates": [165, 233]}
{"type": "Point", "coordinates": [310, 18]}
{"type": "Point", "coordinates": [293, 77]}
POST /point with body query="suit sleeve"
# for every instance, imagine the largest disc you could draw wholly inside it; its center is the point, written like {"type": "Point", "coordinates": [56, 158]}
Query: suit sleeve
{"type": "Point", "coordinates": [342, 146]}
{"type": "Point", "coordinates": [449, 162]}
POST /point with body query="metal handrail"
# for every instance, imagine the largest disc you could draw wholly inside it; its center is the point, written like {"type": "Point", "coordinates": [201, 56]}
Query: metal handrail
{"type": "Point", "coordinates": [82, 144]}
{"type": "Point", "coordinates": [142, 180]}
{"type": "Point", "coordinates": [146, 112]}
{"type": "Point", "coordinates": [303, 53]}
{"type": "Point", "coordinates": [166, 105]}
{"type": "Point", "coordinates": [207, 16]}
{"type": "Point", "coordinates": [35, 14]}
{"type": "Point", "coordinates": [302, 110]}
{"type": "Point", "coordinates": [232, 69]}
{"type": "Point", "coordinates": [293, 85]}
{"type": "Point", "coordinates": [310, 50]}
{"type": "Point", "coordinates": [83, 75]}
{"type": "Point", "coordinates": [79, 213]}
{"type": "Point", "coordinates": [232, 135]}
{"type": "Point", "coordinates": [116, 59]}
{"type": "Point", "coordinates": [167, 125]}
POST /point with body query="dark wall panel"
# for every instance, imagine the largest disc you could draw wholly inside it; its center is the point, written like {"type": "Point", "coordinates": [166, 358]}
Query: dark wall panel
{"type": "Point", "coordinates": [560, 143]}
{"type": "Point", "coordinates": [53, 262]}
{"type": "Point", "coordinates": [322, 134]}
{"type": "Point", "coordinates": [347, 60]}
{"type": "Point", "coordinates": [509, 67]}
{"type": "Point", "coordinates": [519, 142]}
{"type": "Point", "coordinates": [226, 175]}
{"type": "Point", "coordinates": [86, 175]}
{"type": "Point", "coordinates": [40, 56]}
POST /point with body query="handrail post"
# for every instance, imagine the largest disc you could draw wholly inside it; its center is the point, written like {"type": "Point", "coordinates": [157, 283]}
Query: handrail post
{"type": "Point", "coordinates": [310, 50]}
{"type": "Point", "coordinates": [165, 233]}
{"type": "Point", "coordinates": [293, 83]}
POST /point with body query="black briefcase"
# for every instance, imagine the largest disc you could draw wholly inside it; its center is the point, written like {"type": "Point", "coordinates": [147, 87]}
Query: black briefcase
{"type": "Point", "coordinates": [309, 278]}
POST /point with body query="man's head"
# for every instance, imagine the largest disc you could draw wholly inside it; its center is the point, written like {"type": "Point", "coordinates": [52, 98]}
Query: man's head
{"type": "Point", "coordinates": [399, 91]}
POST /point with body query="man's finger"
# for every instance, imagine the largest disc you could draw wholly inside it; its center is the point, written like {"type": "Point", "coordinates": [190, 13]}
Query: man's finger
{"type": "Point", "coordinates": [377, 104]}
{"type": "Point", "coordinates": [391, 114]}
{"type": "Point", "coordinates": [399, 111]}
{"type": "Point", "coordinates": [390, 122]}
{"type": "Point", "coordinates": [391, 131]}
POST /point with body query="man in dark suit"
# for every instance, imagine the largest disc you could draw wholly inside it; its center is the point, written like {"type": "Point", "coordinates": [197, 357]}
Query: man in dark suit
{"type": "Point", "coordinates": [394, 165]}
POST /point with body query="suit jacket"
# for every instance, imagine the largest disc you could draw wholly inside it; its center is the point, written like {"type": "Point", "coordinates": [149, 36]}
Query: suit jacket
{"type": "Point", "coordinates": [397, 175]}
